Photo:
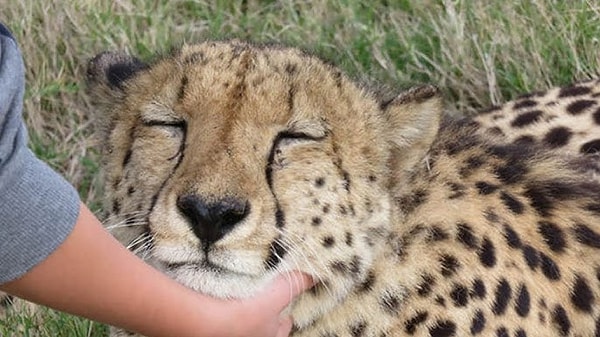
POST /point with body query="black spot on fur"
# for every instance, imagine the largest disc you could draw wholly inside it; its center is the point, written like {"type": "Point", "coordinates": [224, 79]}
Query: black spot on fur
{"type": "Point", "coordinates": [549, 267]}
{"type": "Point", "coordinates": [342, 210]}
{"type": "Point", "coordinates": [511, 172]}
{"type": "Point", "coordinates": [502, 332]}
{"type": "Point", "coordinates": [349, 239]}
{"type": "Point", "coordinates": [487, 253]}
{"type": "Point", "coordinates": [520, 333]}
{"type": "Point", "coordinates": [585, 235]}
{"type": "Point", "coordinates": [593, 146]}
{"type": "Point", "coordinates": [553, 235]}
{"type": "Point", "coordinates": [116, 207]}
{"type": "Point", "coordinates": [523, 301]}
{"type": "Point", "coordinates": [526, 118]}
{"type": "Point", "coordinates": [491, 216]}
{"type": "Point", "coordinates": [485, 188]}
{"type": "Point", "coordinates": [450, 264]}
{"type": "Point", "coordinates": [410, 202]}
{"type": "Point", "coordinates": [543, 195]}
{"type": "Point", "coordinates": [440, 301]}
{"type": "Point", "coordinates": [328, 241]}
{"type": "Point", "coordinates": [390, 303]}
{"type": "Point", "coordinates": [459, 295]}
{"type": "Point", "coordinates": [597, 116]}
{"type": "Point", "coordinates": [540, 200]}
{"type": "Point", "coordinates": [524, 140]}
{"type": "Point", "coordinates": [558, 136]}
{"type": "Point", "coordinates": [339, 266]}
{"type": "Point", "coordinates": [290, 68]}
{"type": "Point", "coordinates": [464, 235]}
{"type": "Point", "coordinates": [472, 163]}
{"type": "Point", "coordinates": [424, 288]}
{"type": "Point", "coordinates": [526, 103]}
{"type": "Point", "coordinates": [512, 238]}
{"type": "Point", "coordinates": [574, 90]}
{"type": "Point", "coordinates": [582, 295]}
{"type": "Point", "coordinates": [320, 182]}
{"type": "Point", "coordinates": [410, 326]}
{"type": "Point", "coordinates": [367, 283]}
{"type": "Point", "coordinates": [130, 190]}
{"type": "Point", "coordinates": [512, 203]}
{"type": "Point", "coordinates": [561, 320]}
{"type": "Point", "coordinates": [358, 329]}
{"type": "Point", "coordinates": [347, 181]}
{"type": "Point", "coordinates": [478, 290]}
{"type": "Point", "coordinates": [503, 294]}
{"type": "Point", "coordinates": [578, 107]}
{"type": "Point", "coordinates": [355, 265]}
{"type": "Point", "coordinates": [443, 329]}
{"type": "Point", "coordinates": [437, 234]}
{"type": "Point", "coordinates": [457, 190]}
{"type": "Point", "coordinates": [531, 256]}
{"type": "Point", "coordinates": [478, 323]}
{"type": "Point", "coordinates": [316, 221]}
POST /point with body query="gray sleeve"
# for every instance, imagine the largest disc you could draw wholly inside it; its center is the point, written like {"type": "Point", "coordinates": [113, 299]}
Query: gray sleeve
{"type": "Point", "coordinates": [38, 208]}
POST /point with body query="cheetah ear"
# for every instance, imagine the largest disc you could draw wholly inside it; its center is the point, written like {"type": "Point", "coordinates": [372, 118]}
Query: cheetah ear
{"type": "Point", "coordinates": [108, 72]}
{"type": "Point", "coordinates": [106, 80]}
{"type": "Point", "coordinates": [414, 119]}
{"type": "Point", "coordinates": [113, 68]}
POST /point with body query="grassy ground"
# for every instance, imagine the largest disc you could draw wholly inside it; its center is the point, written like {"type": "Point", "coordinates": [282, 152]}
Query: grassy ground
{"type": "Point", "coordinates": [478, 52]}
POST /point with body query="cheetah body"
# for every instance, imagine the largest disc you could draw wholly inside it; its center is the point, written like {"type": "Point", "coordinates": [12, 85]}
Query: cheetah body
{"type": "Point", "coordinates": [228, 163]}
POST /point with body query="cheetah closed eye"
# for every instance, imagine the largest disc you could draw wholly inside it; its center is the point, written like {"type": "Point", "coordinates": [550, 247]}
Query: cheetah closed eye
{"type": "Point", "coordinates": [227, 163]}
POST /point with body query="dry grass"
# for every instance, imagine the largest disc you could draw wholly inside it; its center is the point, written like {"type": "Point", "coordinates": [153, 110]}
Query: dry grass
{"type": "Point", "coordinates": [478, 52]}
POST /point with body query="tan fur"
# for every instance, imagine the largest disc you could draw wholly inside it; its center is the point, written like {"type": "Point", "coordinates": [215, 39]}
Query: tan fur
{"type": "Point", "coordinates": [399, 214]}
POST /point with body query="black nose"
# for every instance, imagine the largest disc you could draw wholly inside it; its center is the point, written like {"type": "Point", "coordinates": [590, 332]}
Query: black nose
{"type": "Point", "coordinates": [210, 221]}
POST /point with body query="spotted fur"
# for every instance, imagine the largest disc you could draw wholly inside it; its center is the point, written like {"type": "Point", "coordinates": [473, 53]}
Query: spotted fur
{"type": "Point", "coordinates": [227, 163]}
{"type": "Point", "coordinates": [565, 119]}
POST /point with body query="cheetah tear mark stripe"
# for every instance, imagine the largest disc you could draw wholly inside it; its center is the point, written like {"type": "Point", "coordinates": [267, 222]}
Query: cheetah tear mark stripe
{"type": "Point", "coordinates": [276, 253]}
{"type": "Point", "coordinates": [277, 250]}
{"type": "Point", "coordinates": [181, 152]}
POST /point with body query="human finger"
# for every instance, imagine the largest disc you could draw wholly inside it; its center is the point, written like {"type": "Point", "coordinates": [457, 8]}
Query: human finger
{"type": "Point", "coordinates": [285, 287]}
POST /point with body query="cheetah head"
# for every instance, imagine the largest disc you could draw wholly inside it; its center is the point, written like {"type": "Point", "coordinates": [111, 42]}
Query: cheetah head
{"type": "Point", "coordinates": [228, 163]}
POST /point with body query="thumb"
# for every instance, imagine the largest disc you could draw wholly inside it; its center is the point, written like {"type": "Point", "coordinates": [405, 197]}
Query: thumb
{"type": "Point", "coordinates": [285, 287]}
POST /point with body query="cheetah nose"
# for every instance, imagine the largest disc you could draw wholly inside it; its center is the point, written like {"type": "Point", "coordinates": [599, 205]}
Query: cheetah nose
{"type": "Point", "coordinates": [211, 221]}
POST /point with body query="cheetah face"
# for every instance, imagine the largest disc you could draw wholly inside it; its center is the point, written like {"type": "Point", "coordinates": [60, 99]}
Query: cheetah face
{"type": "Point", "coordinates": [229, 163]}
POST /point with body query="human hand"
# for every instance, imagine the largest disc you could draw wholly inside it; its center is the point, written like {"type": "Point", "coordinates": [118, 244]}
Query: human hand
{"type": "Point", "coordinates": [70, 281]}
{"type": "Point", "coordinates": [261, 316]}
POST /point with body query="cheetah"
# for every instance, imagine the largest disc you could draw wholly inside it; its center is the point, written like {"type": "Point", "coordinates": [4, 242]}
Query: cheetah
{"type": "Point", "coordinates": [563, 119]}
{"type": "Point", "coordinates": [227, 163]}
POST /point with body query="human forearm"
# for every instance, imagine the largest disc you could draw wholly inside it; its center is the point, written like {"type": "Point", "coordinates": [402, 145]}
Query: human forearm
{"type": "Point", "coordinates": [92, 275]}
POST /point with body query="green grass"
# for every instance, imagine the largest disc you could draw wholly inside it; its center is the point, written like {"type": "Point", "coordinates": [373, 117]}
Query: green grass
{"type": "Point", "coordinates": [478, 52]}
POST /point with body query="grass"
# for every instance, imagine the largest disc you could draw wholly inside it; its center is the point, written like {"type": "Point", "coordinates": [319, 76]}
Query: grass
{"type": "Point", "coordinates": [478, 52]}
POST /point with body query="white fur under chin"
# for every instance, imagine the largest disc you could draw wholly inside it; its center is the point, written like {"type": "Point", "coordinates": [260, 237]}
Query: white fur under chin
{"type": "Point", "coordinates": [220, 284]}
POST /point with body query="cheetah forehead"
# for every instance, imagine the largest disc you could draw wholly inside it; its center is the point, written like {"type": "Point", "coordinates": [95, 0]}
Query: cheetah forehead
{"type": "Point", "coordinates": [246, 82]}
